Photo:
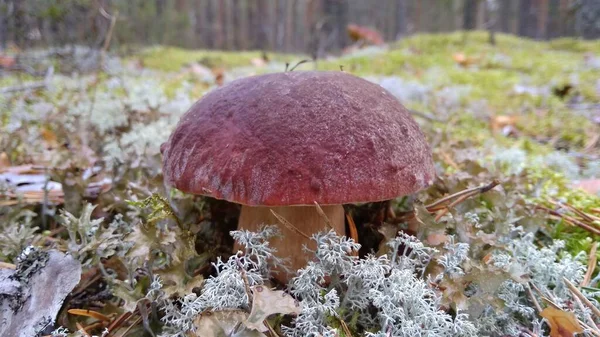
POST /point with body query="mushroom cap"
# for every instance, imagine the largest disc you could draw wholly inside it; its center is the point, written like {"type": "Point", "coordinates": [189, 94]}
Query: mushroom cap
{"type": "Point", "coordinates": [296, 138]}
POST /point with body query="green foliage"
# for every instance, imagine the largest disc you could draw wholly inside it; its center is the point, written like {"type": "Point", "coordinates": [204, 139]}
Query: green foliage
{"type": "Point", "coordinates": [173, 58]}
{"type": "Point", "coordinates": [160, 209]}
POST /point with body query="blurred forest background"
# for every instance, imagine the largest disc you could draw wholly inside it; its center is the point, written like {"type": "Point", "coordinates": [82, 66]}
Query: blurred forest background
{"type": "Point", "coordinates": [306, 26]}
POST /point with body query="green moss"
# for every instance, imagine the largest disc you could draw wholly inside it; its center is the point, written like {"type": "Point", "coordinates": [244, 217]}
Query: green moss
{"type": "Point", "coordinates": [172, 58]}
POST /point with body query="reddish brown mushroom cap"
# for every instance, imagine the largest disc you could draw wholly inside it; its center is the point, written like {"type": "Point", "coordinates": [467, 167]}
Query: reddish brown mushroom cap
{"type": "Point", "coordinates": [294, 138]}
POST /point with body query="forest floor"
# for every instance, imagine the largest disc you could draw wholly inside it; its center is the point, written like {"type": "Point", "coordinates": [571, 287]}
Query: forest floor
{"type": "Point", "coordinates": [504, 243]}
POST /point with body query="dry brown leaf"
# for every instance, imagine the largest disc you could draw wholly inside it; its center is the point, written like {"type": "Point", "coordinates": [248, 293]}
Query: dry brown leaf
{"type": "Point", "coordinates": [4, 162]}
{"type": "Point", "coordinates": [219, 76]}
{"type": "Point", "coordinates": [562, 323]}
{"type": "Point", "coordinates": [464, 60]}
{"type": "Point", "coordinates": [49, 137]}
{"type": "Point", "coordinates": [365, 34]}
{"type": "Point", "coordinates": [501, 123]}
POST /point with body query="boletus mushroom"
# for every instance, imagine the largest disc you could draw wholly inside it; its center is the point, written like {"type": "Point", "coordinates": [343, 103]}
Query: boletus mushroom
{"type": "Point", "coordinates": [284, 141]}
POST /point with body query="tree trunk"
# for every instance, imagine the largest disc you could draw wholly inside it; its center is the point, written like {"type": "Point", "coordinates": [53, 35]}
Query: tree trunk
{"type": "Point", "coordinates": [336, 13]}
{"type": "Point", "coordinates": [3, 17]}
{"type": "Point", "coordinates": [492, 20]}
{"type": "Point", "coordinates": [527, 18]}
{"type": "Point", "coordinates": [504, 15]}
{"type": "Point", "coordinates": [400, 18]}
{"type": "Point", "coordinates": [542, 19]}
{"type": "Point", "coordinates": [470, 15]}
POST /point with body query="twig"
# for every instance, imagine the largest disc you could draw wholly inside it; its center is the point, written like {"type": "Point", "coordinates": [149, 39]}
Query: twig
{"type": "Point", "coordinates": [118, 322]}
{"type": "Point", "coordinates": [136, 322]}
{"type": "Point", "coordinates": [591, 265]}
{"type": "Point", "coordinates": [271, 330]}
{"type": "Point", "coordinates": [533, 299]}
{"type": "Point", "coordinates": [81, 329]}
{"type": "Point", "coordinates": [570, 220]}
{"type": "Point", "coordinates": [584, 299]}
{"type": "Point", "coordinates": [246, 281]}
{"type": "Point", "coordinates": [345, 327]}
{"type": "Point", "coordinates": [582, 214]}
{"type": "Point", "coordinates": [6, 265]}
{"type": "Point", "coordinates": [479, 189]}
{"type": "Point", "coordinates": [31, 86]}
{"type": "Point", "coordinates": [425, 116]}
{"type": "Point", "coordinates": [287, 224]}
{"type": "Point", "coordinates": [460, 197]}
{"type": "Point", "coordinates": [587, 316]}
{"type": "Point", "coordinates": [299, 63]}
{"type": "Point", "coordinates": [109, 34]}
{"type": "Point", "coordinates": [324, 216]}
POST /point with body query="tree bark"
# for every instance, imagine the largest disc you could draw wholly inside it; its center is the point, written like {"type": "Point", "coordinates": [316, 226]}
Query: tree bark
{"type": "Point", "coordinates": [3, 17]}
{"type": "Point", "coordinates": [336, 13]}
{"type": "Point", "coordinates": [400, 18]}
{"type": "Point", "coordinates": [470, 15]}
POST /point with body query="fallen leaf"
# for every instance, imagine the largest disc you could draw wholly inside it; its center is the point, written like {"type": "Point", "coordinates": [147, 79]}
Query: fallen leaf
{"type": "Point", "coordinates": [365, 34]}
{"type": "Point", "coordinates": [464, 60]}
{"type": "Point", "coordinates": [504, 124]}
{"type": "Point", "coordinates": [49, 137]}
{"type": "Point", "coordinates": [562, 323]}
{"type": "Point", "coordinates": [219, 74]}
{"type": "Point", "coordinates": [224, 324]}
{"type": "Point", "coordinates": [266, 302]}
{"type": "Point", "coordinates": [4, 162]}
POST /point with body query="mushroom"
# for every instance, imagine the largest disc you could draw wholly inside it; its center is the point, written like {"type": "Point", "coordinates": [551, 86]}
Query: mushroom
{"type": "Point", "coordinates": [284, 141]}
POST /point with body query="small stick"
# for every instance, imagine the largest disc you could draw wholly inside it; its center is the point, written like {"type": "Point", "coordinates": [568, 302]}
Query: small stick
{"type": "Point", "coordinates": [479, 189]}
{"type": "Point", "coordinates": [591, 265]}
{"type": "Point", "coordinates": [6, 265]}
{"type": "Point", "coordinates": [533, 299]}
{"type": "Point", "coordinates": [81, 329]}
{"type": "Point", "coordinates": [31, 86]}
{"type": "Point", "coordinates": [136, 322]}
{"type": "Point", "coordinates": [570, 220]}
{"type": "Point", "coordinates": [578, 294]}
{"type": "Point", "coordinates": [246, 282]}
{"type": "Point", "coordinates": [287, 224]}
{"type": "Point", "coordinates": [582, 214]}
{"type": "Point", "coordinates": [345, 327]}
{"type": "Point", "coordinates": [588, 318]}
{"type": "Point", "coordinates": [324, 216]}
{"type": "Point", "coordinates": [119, 321]}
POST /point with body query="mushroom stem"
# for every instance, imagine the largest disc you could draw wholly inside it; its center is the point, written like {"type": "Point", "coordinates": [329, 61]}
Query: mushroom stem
{"type": "Point", "coordinates": [289, 245]}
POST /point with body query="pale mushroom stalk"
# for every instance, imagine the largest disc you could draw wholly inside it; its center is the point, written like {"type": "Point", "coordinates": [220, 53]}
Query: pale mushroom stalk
{"type": "Point", "coordinates": [306, 220]}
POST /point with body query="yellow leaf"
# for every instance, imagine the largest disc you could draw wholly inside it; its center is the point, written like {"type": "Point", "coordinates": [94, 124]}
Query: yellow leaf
{"type": "Point", "coordinates": [562, 323]}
